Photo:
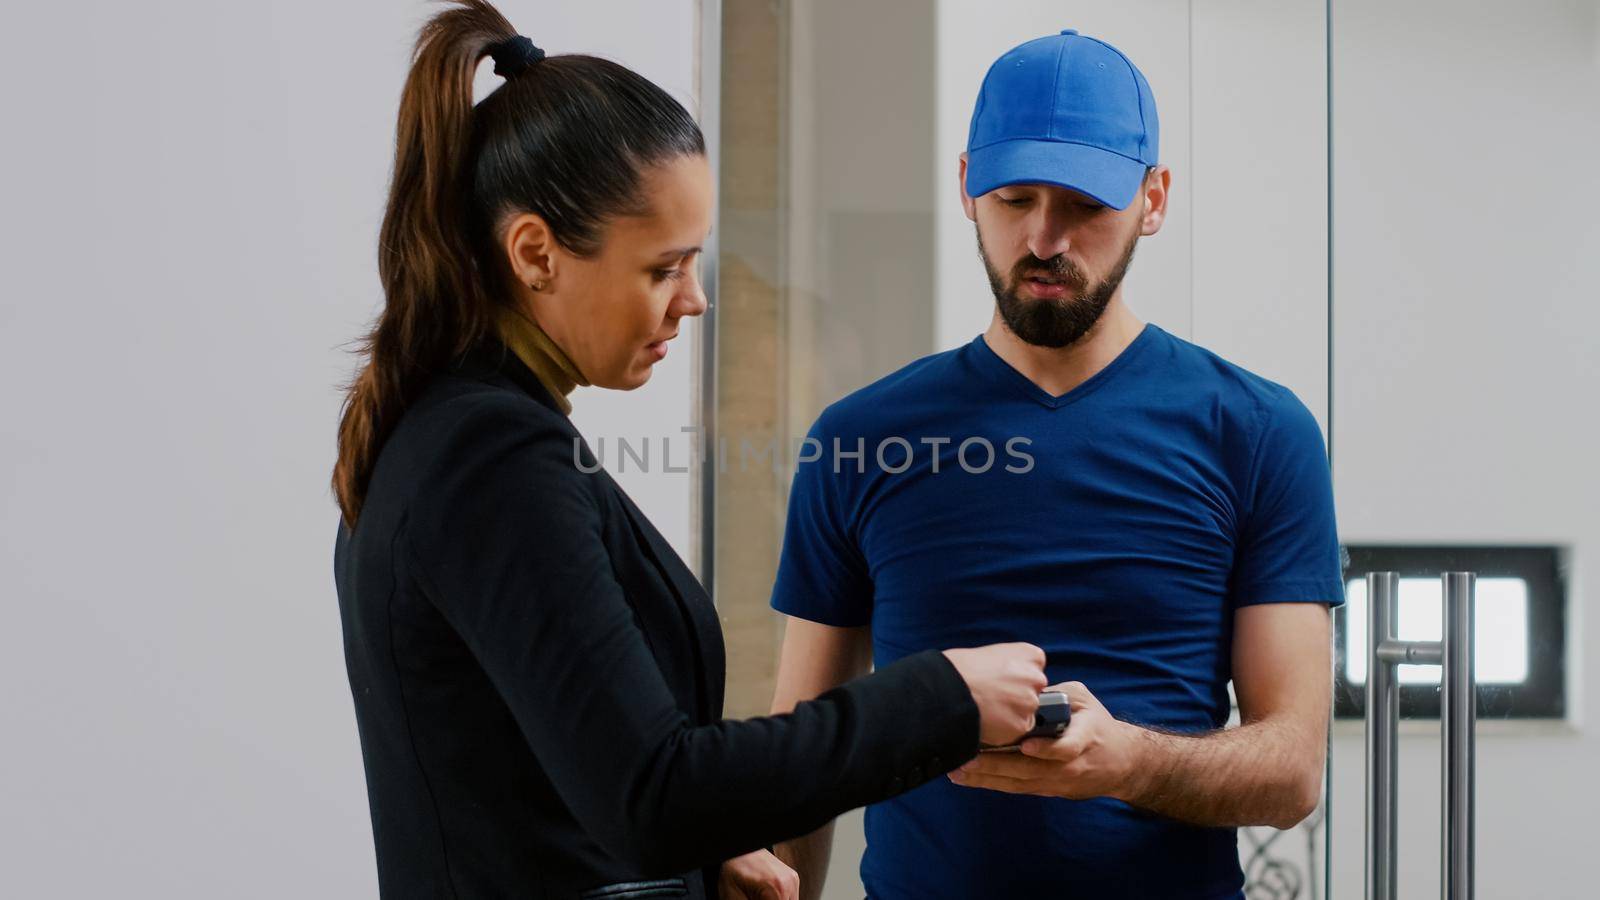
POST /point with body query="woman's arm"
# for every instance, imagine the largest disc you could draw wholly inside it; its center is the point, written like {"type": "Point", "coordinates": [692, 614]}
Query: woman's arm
{"type": "Point", "coordinates": [507, 542]}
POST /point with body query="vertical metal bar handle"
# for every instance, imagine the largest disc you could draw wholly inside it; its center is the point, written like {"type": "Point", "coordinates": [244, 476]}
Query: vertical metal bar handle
{"type": "Point", "coordinates": [710, 86]}
{"type": "Point", "coordinates": [1458, 722]}
{"type": "Point", "coordinates": [1383, 725]}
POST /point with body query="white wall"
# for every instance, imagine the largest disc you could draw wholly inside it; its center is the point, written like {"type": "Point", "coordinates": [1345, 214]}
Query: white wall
{"type": "Point", "coordinates": [1258, 81]}
{"type": "Point", "coordinates": [192, 194]}
{"type": "Point", "coordinates": [1467, 264]}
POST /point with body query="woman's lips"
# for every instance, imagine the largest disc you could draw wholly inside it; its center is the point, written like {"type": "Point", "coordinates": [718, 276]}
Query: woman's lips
{"type": "Point", "coordinates": [657, 349]}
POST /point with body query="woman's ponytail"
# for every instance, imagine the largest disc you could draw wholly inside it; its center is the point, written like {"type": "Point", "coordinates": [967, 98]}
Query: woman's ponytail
{"type": "Point", "coordinates": [434, 299]}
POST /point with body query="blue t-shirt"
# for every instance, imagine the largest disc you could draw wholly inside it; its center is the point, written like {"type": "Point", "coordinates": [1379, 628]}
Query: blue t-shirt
{"type": "Point", "coordinates": [954, 503]}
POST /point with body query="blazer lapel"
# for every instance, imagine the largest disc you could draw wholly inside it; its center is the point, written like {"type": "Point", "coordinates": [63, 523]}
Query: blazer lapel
{"type": "Point", "coordinates": [493, 361]}
{"type": "Point", "coordinates": [692, 599]}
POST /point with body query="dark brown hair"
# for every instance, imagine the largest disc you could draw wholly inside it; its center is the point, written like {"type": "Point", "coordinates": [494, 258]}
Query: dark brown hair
{"type": "Point", "coordinates": [569, 138]}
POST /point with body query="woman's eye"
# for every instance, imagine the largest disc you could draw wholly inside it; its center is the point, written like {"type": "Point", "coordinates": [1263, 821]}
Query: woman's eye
{"type": "Point", "coordinates": [668, 274]}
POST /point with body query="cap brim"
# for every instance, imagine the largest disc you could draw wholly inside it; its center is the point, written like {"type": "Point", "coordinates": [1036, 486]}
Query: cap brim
{"type": "Point", "coordinates": [1111, 178]}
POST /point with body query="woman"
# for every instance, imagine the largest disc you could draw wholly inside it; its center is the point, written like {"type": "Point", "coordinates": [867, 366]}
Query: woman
{"type": "Point", "coordinates": [538, 678]}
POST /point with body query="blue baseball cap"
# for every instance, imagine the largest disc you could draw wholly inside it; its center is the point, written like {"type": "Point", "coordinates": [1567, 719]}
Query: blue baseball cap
{"type": "Point", "coordinates": [1067, 110]}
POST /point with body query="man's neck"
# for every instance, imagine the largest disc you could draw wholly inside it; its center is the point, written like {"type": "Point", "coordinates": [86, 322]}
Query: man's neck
{"type": "Point", "coordinates": [1057, 370]}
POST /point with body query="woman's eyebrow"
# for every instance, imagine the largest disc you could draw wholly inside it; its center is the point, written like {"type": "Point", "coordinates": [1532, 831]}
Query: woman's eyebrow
{"type": "Point", "coordinates": [678, 254]}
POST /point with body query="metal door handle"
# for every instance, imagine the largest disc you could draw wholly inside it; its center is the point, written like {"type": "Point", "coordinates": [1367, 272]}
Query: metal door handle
{"type": "Point", "coordinates": [1457, 723]}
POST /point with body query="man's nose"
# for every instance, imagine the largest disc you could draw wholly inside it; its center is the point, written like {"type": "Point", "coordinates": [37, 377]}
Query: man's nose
{"type": "Point", "coordinates": [1048, 237]}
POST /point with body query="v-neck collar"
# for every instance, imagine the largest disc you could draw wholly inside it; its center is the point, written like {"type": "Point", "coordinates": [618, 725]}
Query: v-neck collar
{"type": "Point", "coordinates": [991, 362]}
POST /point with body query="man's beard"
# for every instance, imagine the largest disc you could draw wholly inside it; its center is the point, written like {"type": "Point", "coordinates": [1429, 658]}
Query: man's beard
{"type": "Point", "coordinates": [1046, 322]}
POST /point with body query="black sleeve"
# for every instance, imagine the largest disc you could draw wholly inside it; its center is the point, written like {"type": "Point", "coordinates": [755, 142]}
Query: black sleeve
{"type": "Point", "coordinates": [507, 541]}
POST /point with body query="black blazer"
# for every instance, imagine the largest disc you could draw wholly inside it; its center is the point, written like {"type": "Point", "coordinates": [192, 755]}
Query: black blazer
{"type": "Point", "coordinates": [538, 678]}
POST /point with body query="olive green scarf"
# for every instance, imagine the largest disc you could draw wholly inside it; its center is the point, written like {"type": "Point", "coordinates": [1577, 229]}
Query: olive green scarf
{"type": "Point", "coordinates": [539, 353]}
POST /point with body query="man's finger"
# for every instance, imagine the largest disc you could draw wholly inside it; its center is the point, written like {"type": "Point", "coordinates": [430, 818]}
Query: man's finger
{"type": "Point", "coordinates": [1078, 696]}
{"type": "Point", "coordinates": [1069, 746]}
{"type": "Point", "coordinates": [1009, 765]}
{"type": "Point", "coordinates": [1058, 749]}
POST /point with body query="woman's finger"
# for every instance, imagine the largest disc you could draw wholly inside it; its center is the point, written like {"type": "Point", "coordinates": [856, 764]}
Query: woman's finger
{"type": "Point", "coordinates": [993, 782]}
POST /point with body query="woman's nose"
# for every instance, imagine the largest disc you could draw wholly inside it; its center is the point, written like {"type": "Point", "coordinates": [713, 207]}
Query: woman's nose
{"type": "Point", "coordinates": [691, 301]}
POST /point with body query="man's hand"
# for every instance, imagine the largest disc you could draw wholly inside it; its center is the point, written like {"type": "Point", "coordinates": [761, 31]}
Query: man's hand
{"type": "Point", "coordinates": [1095, 757]}
{"type": "Point", "coordinates": [757, 876]}
{"type": "Point", "coordinates": [1265, 771]}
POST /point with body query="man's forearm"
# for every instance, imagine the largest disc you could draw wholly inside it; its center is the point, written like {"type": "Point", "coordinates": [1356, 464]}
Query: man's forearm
{"type": "Point", "coordinates": [808, 857]}
{"type": "Point", "coordinates": [816, 658]}
{"type": "Point", "coordinates": [1257, 774]}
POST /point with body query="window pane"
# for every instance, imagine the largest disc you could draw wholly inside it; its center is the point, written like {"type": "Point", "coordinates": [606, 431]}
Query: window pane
{"type": "Point", "coordinates": [1500, 632]}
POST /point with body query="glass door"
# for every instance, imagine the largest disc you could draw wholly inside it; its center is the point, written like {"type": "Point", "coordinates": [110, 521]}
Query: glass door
{"type": "Point", "coordinates": [1466, 266]}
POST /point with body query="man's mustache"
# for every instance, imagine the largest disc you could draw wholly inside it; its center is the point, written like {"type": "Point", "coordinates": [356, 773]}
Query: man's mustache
{"type": "Point", "coordinates": [1056, 268]}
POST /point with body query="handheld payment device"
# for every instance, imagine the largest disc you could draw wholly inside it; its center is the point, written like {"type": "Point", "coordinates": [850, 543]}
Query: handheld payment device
{"type": "Point", "coordinates": [1049, 722]}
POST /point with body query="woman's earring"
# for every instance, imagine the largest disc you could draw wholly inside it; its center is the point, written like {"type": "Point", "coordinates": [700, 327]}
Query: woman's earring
{"type": "Point", "coordinates": [539, 285]}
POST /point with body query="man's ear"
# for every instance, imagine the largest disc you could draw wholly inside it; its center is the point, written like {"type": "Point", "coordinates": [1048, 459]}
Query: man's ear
{"type": "Point", "coordinates": [969, 205]}
{"type": "Point", "coordinates": [1156, 190]}
{"type": "Point", "coordinates": [530, 248]}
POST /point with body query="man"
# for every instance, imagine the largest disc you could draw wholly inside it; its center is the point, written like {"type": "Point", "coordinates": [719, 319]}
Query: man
{"type": "Point", "coordinates": [1159, 520]}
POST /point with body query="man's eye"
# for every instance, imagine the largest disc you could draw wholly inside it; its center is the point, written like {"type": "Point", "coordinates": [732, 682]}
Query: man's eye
{"type": "Point", "coordinates": [666, 274]}
{"type": "Point", "coordinates": [1014, 201]}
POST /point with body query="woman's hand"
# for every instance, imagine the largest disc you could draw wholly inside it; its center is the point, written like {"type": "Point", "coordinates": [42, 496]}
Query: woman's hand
{"type": "Point", "coordinates": [1005, 680]}
{"type": "Point", "coordinates": [758, 876]}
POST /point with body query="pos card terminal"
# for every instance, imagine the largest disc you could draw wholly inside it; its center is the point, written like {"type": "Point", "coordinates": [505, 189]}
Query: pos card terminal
{"type": "Point", "coordinates": [1049, 722]}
